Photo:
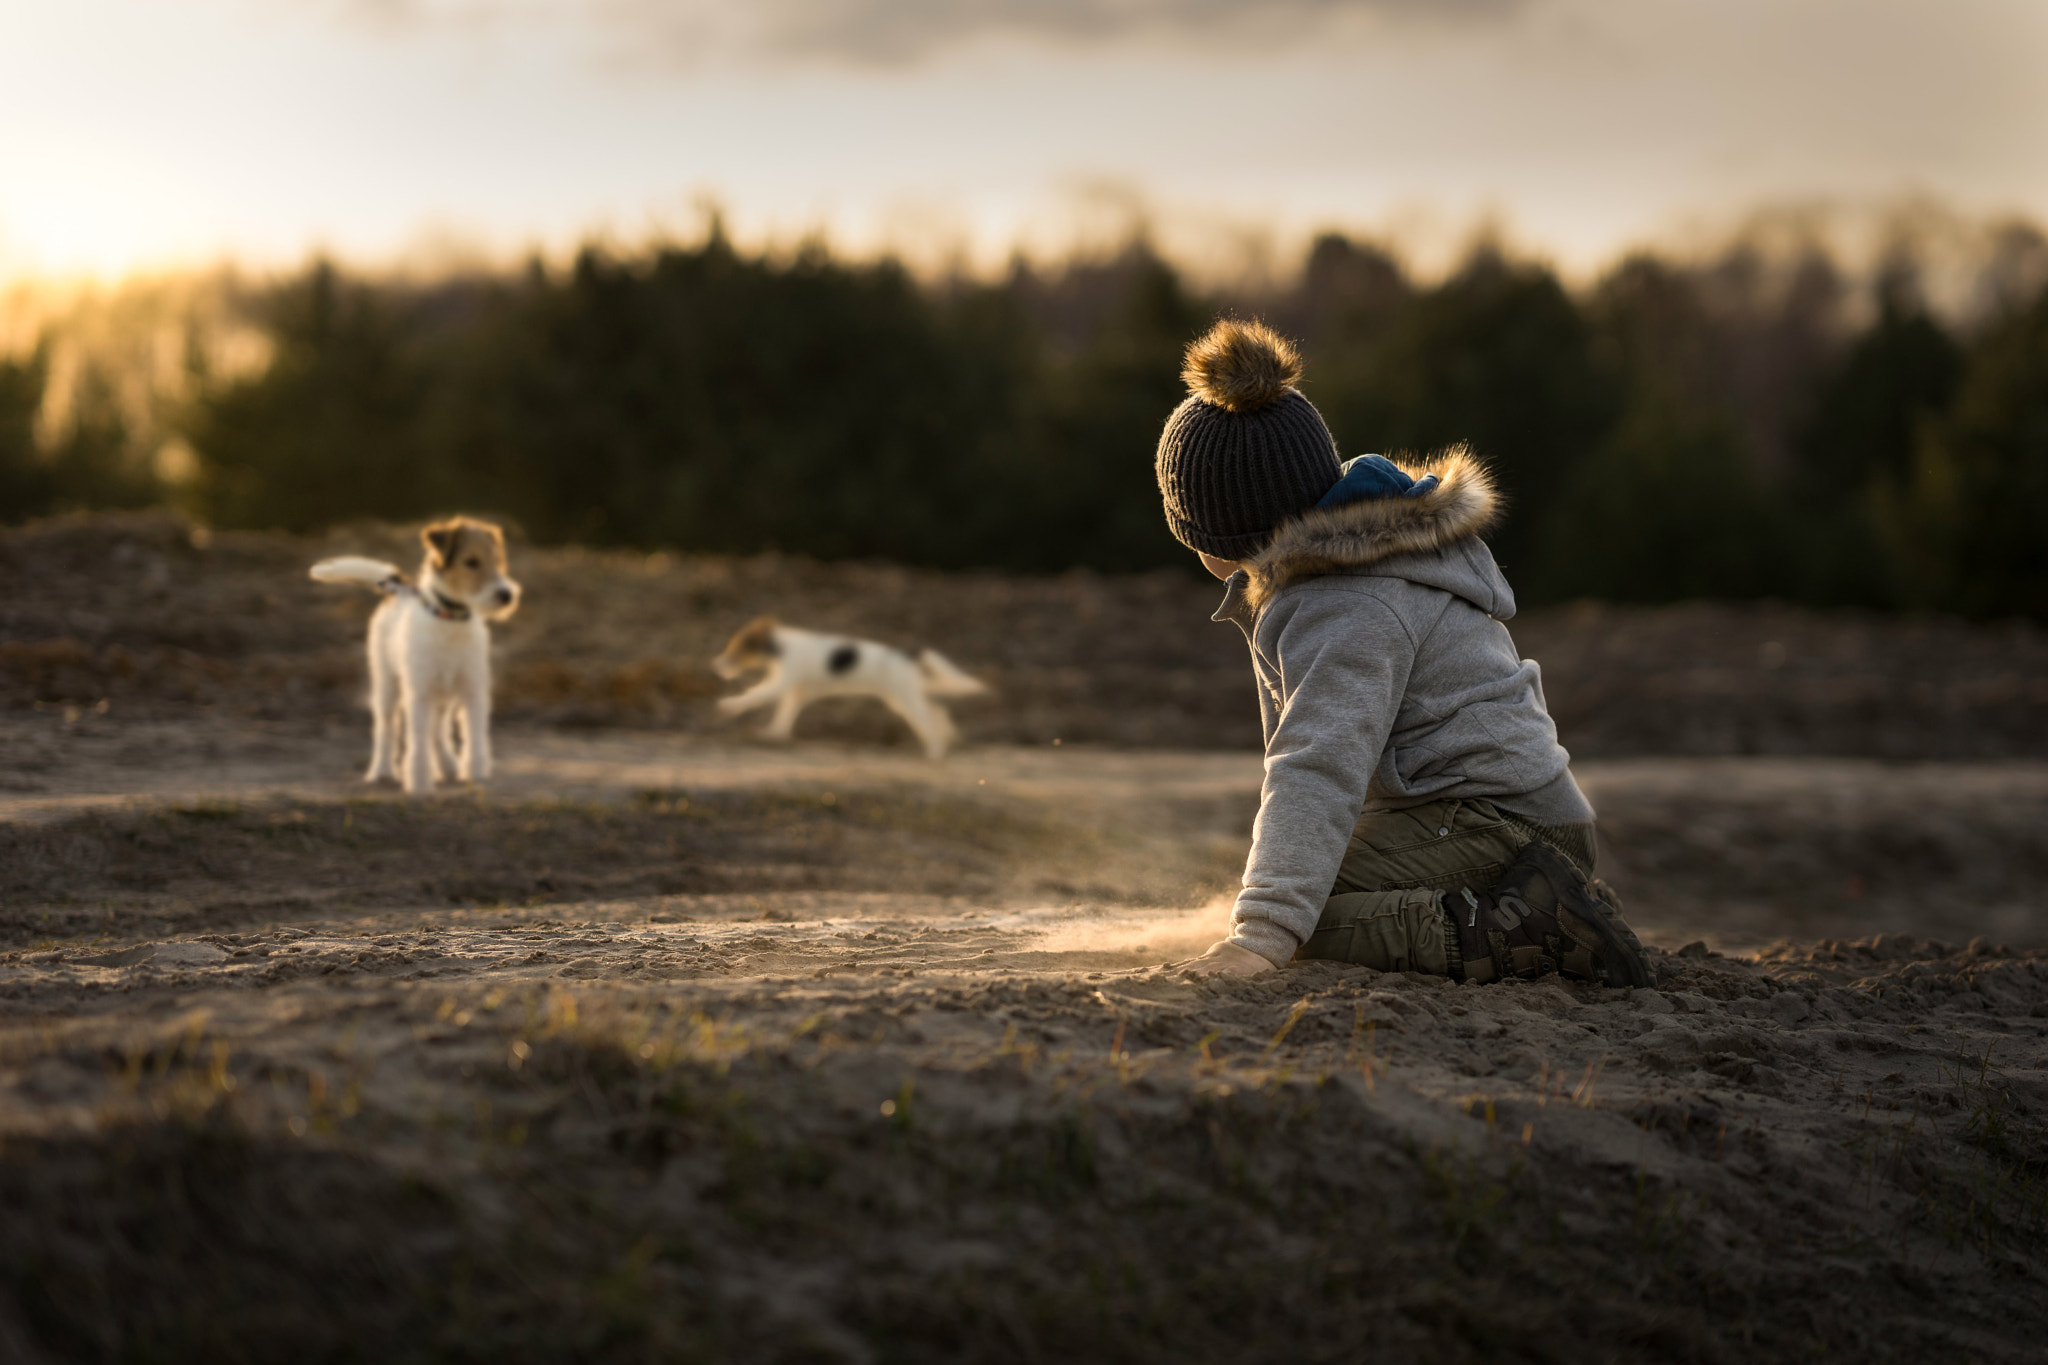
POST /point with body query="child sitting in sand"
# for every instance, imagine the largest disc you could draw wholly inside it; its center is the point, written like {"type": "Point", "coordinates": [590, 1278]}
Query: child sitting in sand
{"type": "Point", "coordinates": [1418, 813]}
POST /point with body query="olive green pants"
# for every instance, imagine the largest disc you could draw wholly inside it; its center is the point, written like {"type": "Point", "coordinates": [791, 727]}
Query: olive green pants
{"type": "Point", "coordinates": [1385, 910]}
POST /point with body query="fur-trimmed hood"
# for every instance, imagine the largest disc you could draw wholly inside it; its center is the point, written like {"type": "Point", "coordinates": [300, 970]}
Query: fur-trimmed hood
{"type": "Point", "coordinates": [1360, 534]}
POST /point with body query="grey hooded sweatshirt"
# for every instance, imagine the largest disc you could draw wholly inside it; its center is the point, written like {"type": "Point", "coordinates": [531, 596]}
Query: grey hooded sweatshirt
{"type": "Point", "coordinates": [1386, 679]}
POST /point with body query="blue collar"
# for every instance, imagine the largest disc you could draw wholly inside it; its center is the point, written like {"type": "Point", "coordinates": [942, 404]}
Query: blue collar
{"type": "Point", "coordinates": [1375, 476]}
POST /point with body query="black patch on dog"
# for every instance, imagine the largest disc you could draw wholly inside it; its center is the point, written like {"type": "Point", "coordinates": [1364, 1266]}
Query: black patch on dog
{"type": "Point", "coordinates": [842, 659]}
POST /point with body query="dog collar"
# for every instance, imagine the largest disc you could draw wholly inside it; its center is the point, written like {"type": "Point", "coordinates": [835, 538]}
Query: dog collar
{"type": "Point", "coordinates": [445, 609]}
{"type": "Point", "coordinates": [436, 605]}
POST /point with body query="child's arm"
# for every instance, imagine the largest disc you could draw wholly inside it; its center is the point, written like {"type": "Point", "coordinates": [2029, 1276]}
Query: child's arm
{"type": "Point", "coordinates": [1344, 660]}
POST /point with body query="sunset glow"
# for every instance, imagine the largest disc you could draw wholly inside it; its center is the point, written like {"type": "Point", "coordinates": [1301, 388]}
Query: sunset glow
{"type": "Point", "coordinates": [137, 135]}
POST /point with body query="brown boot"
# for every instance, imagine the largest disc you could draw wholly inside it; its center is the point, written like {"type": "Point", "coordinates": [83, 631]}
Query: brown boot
{"type": "Point", "coordinates": [1542, 916]}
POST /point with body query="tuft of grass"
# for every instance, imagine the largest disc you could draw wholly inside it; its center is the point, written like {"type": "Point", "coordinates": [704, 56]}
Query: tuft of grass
{"type": "Point", "coordinates": [1471, 1202]}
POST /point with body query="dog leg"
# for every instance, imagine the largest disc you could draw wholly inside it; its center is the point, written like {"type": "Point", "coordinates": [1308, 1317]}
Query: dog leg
{"type": "Point", "coordinates": [453, 759]}
{"type": "Point", "coordinates": [446, 765]}
{"type": "Point", "coordinates": [783, 723]}
{"type": "Point", "coordinates": [760, 694]}
{"type": "Point", "coordinates": [475, 707]}
{"type": "Point", "coordinates": [929, 719]}
{"type": "Point", "coordinates": [421, 739]}
{"type": "Point", "coordinates": [947, 735]}
{"type": "Point", "coordinates": [384, 736]}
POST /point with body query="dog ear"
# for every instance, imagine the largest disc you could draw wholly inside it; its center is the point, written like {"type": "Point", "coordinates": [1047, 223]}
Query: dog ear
{"type": "Point", "coordinates": [440, 541]}
{"type": "Point", "coordinates": [759, 636]}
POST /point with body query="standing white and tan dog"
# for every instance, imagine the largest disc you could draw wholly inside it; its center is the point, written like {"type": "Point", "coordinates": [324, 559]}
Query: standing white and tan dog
{"type": "Point", "coordinates": [430, 653]}
{"type": "Point", "coordinates": [804, 665]}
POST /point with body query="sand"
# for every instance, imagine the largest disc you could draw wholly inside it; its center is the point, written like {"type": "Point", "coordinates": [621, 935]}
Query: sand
{"type": "Point", "coordinates": [158, 619]}
{"type": "Point", "coordinates": [665, 1047]}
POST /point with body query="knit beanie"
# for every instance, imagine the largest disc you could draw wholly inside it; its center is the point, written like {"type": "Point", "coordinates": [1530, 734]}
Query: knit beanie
{"type": "Point", "coordinates": [1245, 451]}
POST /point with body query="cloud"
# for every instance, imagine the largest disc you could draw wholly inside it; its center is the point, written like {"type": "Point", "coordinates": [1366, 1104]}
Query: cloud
{"type": "Point", "coordinates": [888, 31]}
{"type": "Point", "coordinates": [895, 32]}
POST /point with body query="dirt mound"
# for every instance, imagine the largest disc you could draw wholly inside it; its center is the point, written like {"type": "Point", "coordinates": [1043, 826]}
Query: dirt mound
{"type": "Point", "coordinates": [1744, 851]}
{"type": "Point", "coordinates": [1702, 678]}
{"type": "Point", "coordinates": [147, 613]}
{"type": "Point", "coordinates": [202, 823]}
{"type": "Point", "coordinates": [672, 1046]}
{"type": "Point", "coordinates": [865, 1137]}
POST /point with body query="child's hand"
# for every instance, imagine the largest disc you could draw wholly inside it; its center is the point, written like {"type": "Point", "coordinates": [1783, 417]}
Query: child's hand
{"type": "Point", "coordinates": [1226, 959]}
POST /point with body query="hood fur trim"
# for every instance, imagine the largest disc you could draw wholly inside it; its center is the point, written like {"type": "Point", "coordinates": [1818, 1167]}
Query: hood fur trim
{"type": "Point", "coordinates": [1357, 534]}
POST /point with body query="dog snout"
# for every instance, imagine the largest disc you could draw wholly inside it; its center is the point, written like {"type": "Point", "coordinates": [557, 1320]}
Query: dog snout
{"type": "Point", "coordinates": [503, 599]}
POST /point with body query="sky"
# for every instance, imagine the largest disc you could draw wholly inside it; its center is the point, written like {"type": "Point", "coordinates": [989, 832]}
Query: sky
{"type": "Point", "coordinates": [152, 135]}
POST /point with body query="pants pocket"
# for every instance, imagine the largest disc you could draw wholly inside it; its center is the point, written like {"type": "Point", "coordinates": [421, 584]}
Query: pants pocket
{"type": "Point", "coordinates": [1383, 857]}
{"type": "Point", "coordinates": [1389, 931]}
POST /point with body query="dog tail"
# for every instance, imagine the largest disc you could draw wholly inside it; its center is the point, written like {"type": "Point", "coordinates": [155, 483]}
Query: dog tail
{"type": "Point", "coordinates": [355, 569]}
{"type": "Point", "coordinates": [943, 679]}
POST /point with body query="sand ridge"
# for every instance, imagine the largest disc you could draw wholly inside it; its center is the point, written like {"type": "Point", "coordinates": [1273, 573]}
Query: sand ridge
{"type": "Point", "coordinates": [901, 1075]}
{"type": "Point", "coordinates": [669, 1045]}
{"type": "Point", "coordinates": [1794, 1135]}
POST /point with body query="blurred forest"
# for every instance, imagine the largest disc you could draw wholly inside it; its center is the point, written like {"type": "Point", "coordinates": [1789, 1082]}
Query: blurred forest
{"type": "Point", "coordinates": [1740, 427]}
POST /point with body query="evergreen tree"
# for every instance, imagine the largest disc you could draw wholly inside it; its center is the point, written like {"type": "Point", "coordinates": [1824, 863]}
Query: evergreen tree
{"type": "Point", "coordinates": [1969, 525]}
{"type": "Point", "coordinates": [1857, 446]}
{"type": "Point", "coordinates": [95, 462]}
{"type": "Point", "coordinates": [329, 430]}
{"type": "Point", "coordinates": [1096, 496]}
{"type": "Point", "coordinates": [1498, 357]}
{"type": "Point", "coordinates": [1665, 508]}
{"type": "Point", "coordinates": [26, 488]}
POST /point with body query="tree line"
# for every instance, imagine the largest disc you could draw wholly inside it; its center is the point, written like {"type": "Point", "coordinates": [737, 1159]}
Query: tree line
{"type": "Point", "coordinates": [1726, 430]}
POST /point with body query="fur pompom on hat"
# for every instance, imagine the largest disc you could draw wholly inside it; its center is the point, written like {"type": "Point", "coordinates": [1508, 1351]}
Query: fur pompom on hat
{"type": "Point", "coordinates": [1245, 452]}
{"type": "Point", "coordinates": [1241, 366]}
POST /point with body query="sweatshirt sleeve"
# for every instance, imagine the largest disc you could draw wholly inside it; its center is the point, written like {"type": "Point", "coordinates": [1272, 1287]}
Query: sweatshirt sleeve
{"type": "Point", "coordinates": [1343, 662]}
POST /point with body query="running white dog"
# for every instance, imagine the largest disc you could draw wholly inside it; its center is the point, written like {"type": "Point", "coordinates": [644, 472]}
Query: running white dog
{"type": "Point", "coordinates": [804, 665]}
{"type": "Point", "coordinates": [430, 653]}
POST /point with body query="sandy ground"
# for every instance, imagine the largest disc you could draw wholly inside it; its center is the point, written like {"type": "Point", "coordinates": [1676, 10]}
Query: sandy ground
{"type": "Point", "coordinates": [664, 1047]}
{"type": "Point", "coordinates": [161, 620]}
{"type": "Point", "coordinates": [672, 1046]}
{"type": "Point", "coordinates": [1741, 853]}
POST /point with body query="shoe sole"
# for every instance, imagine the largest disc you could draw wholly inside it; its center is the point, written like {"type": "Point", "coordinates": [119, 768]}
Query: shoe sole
{"type": "Point", "coordinates": [1621, 952]}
